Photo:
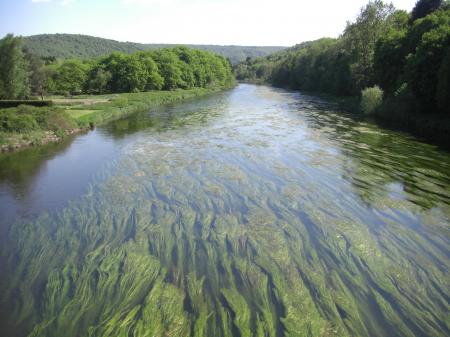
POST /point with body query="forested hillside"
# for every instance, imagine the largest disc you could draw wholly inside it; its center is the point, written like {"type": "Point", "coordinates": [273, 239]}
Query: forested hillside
{"type": "Point", "coordinates": [22, 73]}
{"type": "Point", "coordinates": [398, 62]}
{"type": "Point", "coordinates": [82, 46]}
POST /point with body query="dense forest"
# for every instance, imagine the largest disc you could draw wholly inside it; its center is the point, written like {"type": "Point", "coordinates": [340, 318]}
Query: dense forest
{"type": "Point", "coordinates": [396, 61]}
{"type": "Point", "coordinates": [22, 73]}
{"type": "Point", "coordinates": [67, 46]}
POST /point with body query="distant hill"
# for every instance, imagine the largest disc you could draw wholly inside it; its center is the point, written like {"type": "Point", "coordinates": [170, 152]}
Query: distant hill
{"type": "Point", "coordinates": [84, 46]}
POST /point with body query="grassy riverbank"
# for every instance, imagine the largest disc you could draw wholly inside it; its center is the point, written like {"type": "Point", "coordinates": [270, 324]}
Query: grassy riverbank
{"type": "Point", "coordinates": [27, 126]}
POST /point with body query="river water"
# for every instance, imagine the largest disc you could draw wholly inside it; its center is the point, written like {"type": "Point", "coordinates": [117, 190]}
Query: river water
{"type": "Point", "coordinates": [253, 212]}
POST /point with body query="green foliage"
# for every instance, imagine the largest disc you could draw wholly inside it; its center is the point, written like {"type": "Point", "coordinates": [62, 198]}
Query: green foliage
{"type": "Point", "coordinates": [120, 102]}
{"type": "Point", "coordinates": [169, 69]}
{"type": "Point", "coordinates": [382, 47]}
{"type": "Point", "coordinates": [14, 69]}
{"type": "Point", "coordinates": [69, 77]}
{"type": "Point", "coordinates": [443, 87]}
{"type": "Point", "coordinates": [422, 67]}
{"type": "Point", "coordinates": [424, 7]}
{"type": "Point", "coordinates": [25, 119]}
{"type": "Point", "coordinates": [28, 125]}
{"type": "Point", "coordinates": [98, 80]}
{"type": "Point", "coordinates": [127, 73]}
{"type": "Point", "coordinates": [169, 66]}
{"type": "Point", "coordinates": [390, 51]}
{"type": "Point", "coordinates": [154, 80]}
{"type": "Point", "coordinates": [361, 37]}
{"type": "Point", "coordinates": [371, 99]}
{"type": "Point", "coordinates": [38, 74]}
{"type": "Point", "coordinates": [69, 46]}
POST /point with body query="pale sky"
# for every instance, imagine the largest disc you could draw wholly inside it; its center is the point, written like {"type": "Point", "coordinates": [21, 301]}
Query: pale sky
{"type": "Point", "coordinates": [225, 22]}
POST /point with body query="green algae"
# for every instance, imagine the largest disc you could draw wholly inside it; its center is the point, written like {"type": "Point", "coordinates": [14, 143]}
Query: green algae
{"type": "Point", "coordinates": [184, 238]}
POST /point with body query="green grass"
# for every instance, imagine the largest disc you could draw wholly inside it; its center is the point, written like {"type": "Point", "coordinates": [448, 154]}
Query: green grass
{"type": "Point", "coordinates": [27, 126]}
{"type": "Point", "coordinates": [77, 114]}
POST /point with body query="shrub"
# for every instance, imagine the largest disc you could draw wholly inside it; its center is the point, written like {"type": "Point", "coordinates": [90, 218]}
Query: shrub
{"type": "Point", "coordinates": [55, 120]}
{"type": "Point", "coordinates": [26, 118]}
{"type": "Point", "coordinates": [25, 123]}
{"type": "Point", "coordinates": [11, 121]}
{"type": "Point", "coordinates": [371, 99]}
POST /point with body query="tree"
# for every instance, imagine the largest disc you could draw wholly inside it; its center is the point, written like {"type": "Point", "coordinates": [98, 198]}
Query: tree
{"type": "Point", "coordinates": [443, 86]}
{"type": "Point", "coordinates": [424, 7]}
{"type": "Point", "coordinates": [128, 74]}
{"type": "Point", "coordinates": [99, 79]}
{"type": "Point", "coordinates": [422, 68]}
{"type": "Point", "coordinates": [390, 52]}
{"type": "Point", "coordinates": [361, 37]}
{"type": "Point", "coordinates": [70, 77]}
{"type": "Point", "coordinates": [169, 67]}
{"type": "Point", "coordinates": [14, 69]}
{"type": "Point", "coordinates": [38, 74]}
{"type": "Point", "coordinates": [154, 80]}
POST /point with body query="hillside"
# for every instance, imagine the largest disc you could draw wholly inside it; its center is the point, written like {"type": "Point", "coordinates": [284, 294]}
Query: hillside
{"type": "Point", "coordinates": [83, 46]}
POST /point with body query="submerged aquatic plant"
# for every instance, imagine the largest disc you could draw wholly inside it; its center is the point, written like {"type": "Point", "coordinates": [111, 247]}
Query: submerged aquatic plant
{"type": "Point", "coordinates": [183, 237]}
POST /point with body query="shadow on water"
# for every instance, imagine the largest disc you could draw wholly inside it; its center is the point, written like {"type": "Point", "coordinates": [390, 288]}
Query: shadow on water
{"type": "Point", "coordinates": [19, 171]}
{"type": "Point", "coordinates": [383, 161]}
{"type": "Point", "coordinates": [258, 212]}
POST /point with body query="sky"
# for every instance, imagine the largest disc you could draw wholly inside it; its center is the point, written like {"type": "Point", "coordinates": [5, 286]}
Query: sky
{"type": "Point", "coordinates": [223, 22]}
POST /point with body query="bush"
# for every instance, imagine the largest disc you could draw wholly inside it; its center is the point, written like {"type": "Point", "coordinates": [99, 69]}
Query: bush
{"type": "Point", "coordinates": [54, 120]}
{"type": "Point", "coordinates": [25, 123]}
{"type": "Point", "coordinates": [24, 119]}
{"type": "Point", "coordinates": [11, 121]}
{"type": "Point", "coordinates": [371, 99]}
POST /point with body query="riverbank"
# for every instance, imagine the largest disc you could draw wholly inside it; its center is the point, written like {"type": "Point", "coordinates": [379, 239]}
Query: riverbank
{"type": "Point", "coordinates": [27, 126]}
{"type": "Point", "coordinates": [229, 207]}
{"type": "Point", "coordinates": [395, 114]}
{"type": "Point", "coordinates": [407, 116]}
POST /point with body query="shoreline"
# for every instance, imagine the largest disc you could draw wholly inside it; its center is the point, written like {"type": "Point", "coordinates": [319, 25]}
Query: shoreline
{"type": "Point", "coordinates": [88, 115]}
{"type": "Point", "coordinates": [432, 128]}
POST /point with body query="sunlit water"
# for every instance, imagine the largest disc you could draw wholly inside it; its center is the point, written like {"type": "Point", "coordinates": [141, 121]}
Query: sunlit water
{"type": "Point", "coordinates": [255, 212]}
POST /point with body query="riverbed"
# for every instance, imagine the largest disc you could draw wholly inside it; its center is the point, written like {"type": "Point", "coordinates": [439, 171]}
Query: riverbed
{"type": "Point", "coordinates": [253, 212]}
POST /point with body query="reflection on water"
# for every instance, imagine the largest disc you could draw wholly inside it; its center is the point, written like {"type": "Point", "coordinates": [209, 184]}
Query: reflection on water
{"type": "Point", "coordinates": [256, 212]}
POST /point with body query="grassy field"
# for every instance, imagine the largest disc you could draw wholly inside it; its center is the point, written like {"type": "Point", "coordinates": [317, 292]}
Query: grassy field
{"type": "Point", "coordinates": [27, 126]}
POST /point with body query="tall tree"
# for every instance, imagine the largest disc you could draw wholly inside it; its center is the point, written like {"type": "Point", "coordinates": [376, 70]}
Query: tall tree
{"type": "Point", "coordinates": [424, 7]}
{"type": "Point", "coordinates": [361, 37]}
{"type": "Point", "coordinates": [98, 79]}
{"type": "Point", "coordinates": [70, 77]}
{"type": "Point", "coordinates": [38, 73]}
{"type": "Point", "coordinates": [14, 69]}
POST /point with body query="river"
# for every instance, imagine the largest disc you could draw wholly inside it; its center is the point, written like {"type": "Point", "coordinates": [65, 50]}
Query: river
{"type": "Point", "coordinates": [252, 212]}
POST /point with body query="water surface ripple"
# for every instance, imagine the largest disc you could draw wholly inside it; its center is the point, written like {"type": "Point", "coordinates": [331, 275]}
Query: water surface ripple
{"type": "Point", "coordinates": [255, 212]}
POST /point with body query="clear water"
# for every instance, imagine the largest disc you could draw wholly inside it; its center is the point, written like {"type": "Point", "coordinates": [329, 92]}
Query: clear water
{"type": "Point", "coordinates": [255, 212]}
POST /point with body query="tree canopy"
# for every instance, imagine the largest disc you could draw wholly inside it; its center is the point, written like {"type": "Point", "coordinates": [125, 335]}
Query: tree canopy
{"type": "Point", "coordinates": [383, 46]}
{"type": "Point", "coordinates": [70, 46]}
{"type": "Point", "coordinates": [14, 69]}
{"type": "Point", "coordinates": [22, 74]}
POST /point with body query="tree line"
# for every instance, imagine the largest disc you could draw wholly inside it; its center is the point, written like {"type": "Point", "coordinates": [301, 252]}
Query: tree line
{"type": "Point", "coordinates": [404, 57]}
{"type": "Point", "coordinates": [68, 46]}
{"type": "Point", "coordinates": [23, 74]}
